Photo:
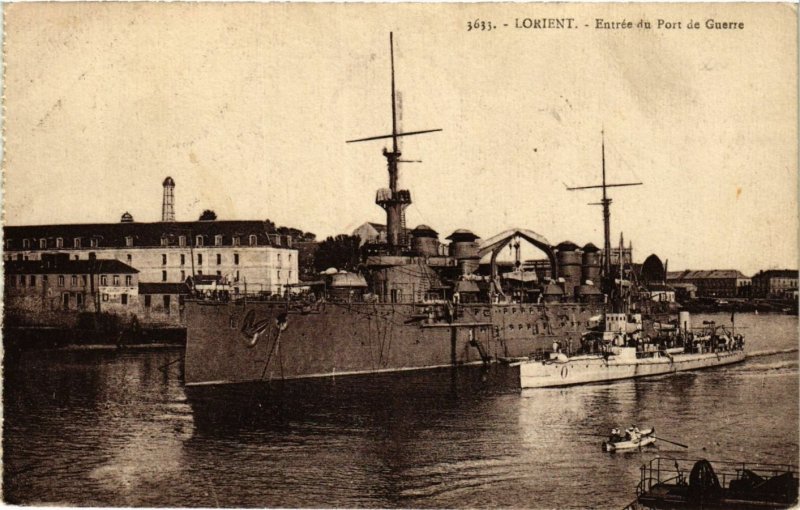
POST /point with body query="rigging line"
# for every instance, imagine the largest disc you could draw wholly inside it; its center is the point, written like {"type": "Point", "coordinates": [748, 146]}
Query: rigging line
{"type": "Point", "coordinates": [272, 350]}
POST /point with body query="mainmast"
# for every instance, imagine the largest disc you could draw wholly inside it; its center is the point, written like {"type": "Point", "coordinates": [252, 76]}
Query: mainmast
{"type": "Point", "coordinates": [606, 203]}
{"type": "Point", "coordinates": [394, 201]}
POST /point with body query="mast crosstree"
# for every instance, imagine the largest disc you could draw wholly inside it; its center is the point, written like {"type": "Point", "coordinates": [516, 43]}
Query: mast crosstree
{"type": "Point", "coordinates": [394, 201]}
{"type": "Point", "coordinates": [606, 203]}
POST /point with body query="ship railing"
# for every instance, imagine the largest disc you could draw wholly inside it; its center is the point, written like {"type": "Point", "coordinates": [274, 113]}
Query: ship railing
{"type": "Point", "coordinates": [670, 470]}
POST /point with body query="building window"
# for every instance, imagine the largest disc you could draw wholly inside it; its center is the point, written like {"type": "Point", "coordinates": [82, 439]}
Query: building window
{"type": "Point", "coordinates": [43, 244]}
{"type": "Point", "coordinates": [253, 240]}
{"type": "Point", "coordinates": [217, 240]}
{"type": "Point", "coordinates": [182, 241]}
{"type": "Point", "coordinates": [236, 258]}
{"type": "Point", "coordinates": [130, 259]}
{"type": "Point", "coordinates": [200, 273]}
{"type": "Point", "coordinates": [219, 258]}
{"type": "Point", "coordinates": [26, 244]}
{"type": "Point", "coordinates": [61, 280]}
{"type": "Point", "coordinates": [65, 297]}
{"type": "Point", "coordinates": [280, 262]}
{"type": "Point", "coordinates": [59, 242]}
{"type": "Point", "coordinates": [290, 275]}
{"type": "Point", "coordinates": [183, 275]}
{"type": "Point", "coordinates": [116, 280]}
{"type": "Point", "coordinates": [219, 273]}
{"type": "Point", "coordinates": [76, 242]}
{"type": "Point", "coordinates": [279, 275]}
{"type": "Point", "coordinates": [237, 276]}
{"type": "Point", "coordinates": [22, 280]}
{"type": "Point", "coordinates": [290, 258]}
{"type": "Point", "coordinates": [163, 259]}
{"type": "Point", "coordinates": [163, 276]}
{"type": "Point", "coordinates": [8, 244]}
{"type": "Point", "coordinates": [128, 241]}
{"type": "Point", "coordinates": [19, 256]}
{"type": "Point", "coordinates": [33, 280]}
{"type": "Point", "coordinates": [166, 304]}
{"type": "Point", "coordinates": [164, 241]}
{"type": "Point", "coordinates": [183, 259]}
{"type": "Point", "coordinates": [105, 297]}
{"type": "Point", "coordinates": [74, 280]}
{"type": "Point", "coordinates": [79, 300]}
{"type": "Point", "coordinates": [235, 241]}
{"type": "Point", "coordinates": [94, 242]}
{"type": "Point", "coordinates": [147, 299]}
{"type": "Point", "coordinates": [124, 299]}
{"type": "Point", "coordinates": [12, 281]}
{"type": "Point", "coordinates": [198, 241]}
{"type": "Point", "coordinates": [85, 280]}
{"type": "Point", "coordinates": [200, 258]}
{"type": "Point", "coordinates": [104, 279]}
{"type": "Point", "coordinates": [128, 280]}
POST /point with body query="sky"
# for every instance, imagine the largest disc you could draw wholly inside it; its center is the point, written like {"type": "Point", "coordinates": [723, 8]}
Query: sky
{"type": "Point", "coordinates": [248, 107]}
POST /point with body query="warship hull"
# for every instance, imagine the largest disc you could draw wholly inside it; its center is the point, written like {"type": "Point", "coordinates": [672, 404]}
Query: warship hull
{"type": "Point", "coordinates": [245, 342]}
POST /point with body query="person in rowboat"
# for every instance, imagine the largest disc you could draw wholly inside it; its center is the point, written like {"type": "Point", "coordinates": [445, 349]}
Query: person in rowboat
{"type": "Point", "coordinates": [632, 433]}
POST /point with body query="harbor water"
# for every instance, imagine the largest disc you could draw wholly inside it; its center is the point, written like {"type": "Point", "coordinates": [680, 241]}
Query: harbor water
{"type": "Point", "coordinates": [118, 428]}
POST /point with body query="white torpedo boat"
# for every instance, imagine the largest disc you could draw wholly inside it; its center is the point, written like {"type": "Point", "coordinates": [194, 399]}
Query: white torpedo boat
{"type": "Point", "coordinates": [620, 349]}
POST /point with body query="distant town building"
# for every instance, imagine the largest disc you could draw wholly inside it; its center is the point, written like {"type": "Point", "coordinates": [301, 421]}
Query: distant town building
{"type": "Point", "coordinates": [775, 284]}
{"type": "Point", "coordinates": [716, 283]}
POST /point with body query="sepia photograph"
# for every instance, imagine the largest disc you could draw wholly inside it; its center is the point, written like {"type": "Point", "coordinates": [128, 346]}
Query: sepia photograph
{"type": "Point", "coordinates": [400, 255]}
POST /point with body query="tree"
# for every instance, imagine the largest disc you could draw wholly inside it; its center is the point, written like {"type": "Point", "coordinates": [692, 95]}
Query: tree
{"type": "Point", "coordinates": [341, 252]}
{"type": "Point", "coordinates": [208, 215]}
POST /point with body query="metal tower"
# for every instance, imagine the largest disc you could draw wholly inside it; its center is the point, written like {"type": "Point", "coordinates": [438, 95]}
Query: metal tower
{"type": "Point", "coordinates": [394, 201]}
{"type": "Point", "coordinates": [168, 203]}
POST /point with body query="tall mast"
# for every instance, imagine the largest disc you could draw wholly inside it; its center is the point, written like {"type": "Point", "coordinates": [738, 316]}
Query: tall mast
{"type": "Point", "coordinates": [392, 200]}
{"type": "Point", "coordinates": [606, 203]}
{"type": "Point", "coordinates": [394, 100]}
{"type": "Point", "coordinates": [606, 211]}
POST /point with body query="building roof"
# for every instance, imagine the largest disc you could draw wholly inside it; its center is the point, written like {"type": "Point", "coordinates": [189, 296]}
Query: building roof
{"type": "Point", "coordinates": [777, 273]}
{"type": "Point", "coordinates": [163, 288]}
{"type": "Point", "coordinates": [144, 234]}
{"type": "Point", "coordinates": [379, 228]}
{"type": "Point", "coordinates": [98, 266]}
{"type": "Point", "coordinates": [707, 274]}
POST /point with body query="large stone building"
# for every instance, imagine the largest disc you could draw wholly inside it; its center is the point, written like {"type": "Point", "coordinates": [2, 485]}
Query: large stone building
{"type": "Point", "coordinates": [775, 283]}
{"type": "Point", "coordinates": [715, 283]}
{"type": "Point", "coordinates": [249, 255]}
{"type": "Point", "coordinates": [243, 252]}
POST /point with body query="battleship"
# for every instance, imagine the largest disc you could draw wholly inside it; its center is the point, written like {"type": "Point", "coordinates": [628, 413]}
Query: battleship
{"type": "Point", "coordinates": [414, 304]}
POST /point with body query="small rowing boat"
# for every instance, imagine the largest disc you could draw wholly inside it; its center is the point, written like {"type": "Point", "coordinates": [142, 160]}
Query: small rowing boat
{"type": "Point", "coordinates": [632, 439]}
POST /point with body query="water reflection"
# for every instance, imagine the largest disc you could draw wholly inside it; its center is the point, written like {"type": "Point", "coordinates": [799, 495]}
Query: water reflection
{"type": "Point", "coordinates": [120, 429]}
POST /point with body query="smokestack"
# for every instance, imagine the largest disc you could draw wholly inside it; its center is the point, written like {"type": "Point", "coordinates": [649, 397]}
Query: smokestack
{"type": "Point", "coordinates": [168, 204]}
